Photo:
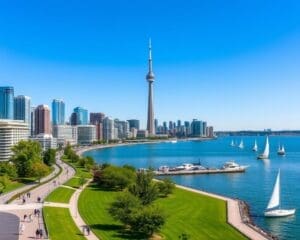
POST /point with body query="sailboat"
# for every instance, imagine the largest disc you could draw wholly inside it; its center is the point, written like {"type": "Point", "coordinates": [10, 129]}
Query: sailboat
{"type": "Point", "coordinates": [273, 208]}
{"type": "Point", "coordinates": [265, 154]}
{"type": "Point", "coordinates": [255, 148]}
{"type": "Point", "coordinates": [241, 144]}
{"type": "Point", "coordinates": [281, 150]}
{"type": "Point", "coordinates": [232, 143]}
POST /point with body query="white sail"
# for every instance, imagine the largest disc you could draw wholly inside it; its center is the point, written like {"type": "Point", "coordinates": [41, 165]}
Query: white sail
{"type": "Point", "coordinates": [267, 149]}
{"type": "Point", "coordinates": [275, 198]}
{"type": "Point", "coordinates": [255, 146]}
{"type": "Point", "coordinates": [282, 149]}
{"type": "Point", "coordinates": [241, 144]}
{"type": "Point", "coordinates": [232, 143]}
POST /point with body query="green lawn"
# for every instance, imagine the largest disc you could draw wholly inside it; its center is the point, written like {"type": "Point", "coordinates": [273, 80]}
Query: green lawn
{"type": "Point", "coordinates": [12, 185]}
{"type": "Point", "coordinates": [74, 182]}
{"type": "Point", "coordinates": [60, 224]}
{"type": "Point", "coordinates": [80, 171]}
{"type": "Point", "coordinates": [60, 195]}
{"type": "Point", "coordinates": [198, 216]}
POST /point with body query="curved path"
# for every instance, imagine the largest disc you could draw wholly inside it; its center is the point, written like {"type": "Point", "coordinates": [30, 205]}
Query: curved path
{"type": "Point", "coordinates": [5, 197]}
{"type": "Point", "coordinates": [30, 225]}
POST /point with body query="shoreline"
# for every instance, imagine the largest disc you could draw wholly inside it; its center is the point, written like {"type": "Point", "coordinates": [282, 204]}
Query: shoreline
{"type": "Point", "coordinates": [238, 211]}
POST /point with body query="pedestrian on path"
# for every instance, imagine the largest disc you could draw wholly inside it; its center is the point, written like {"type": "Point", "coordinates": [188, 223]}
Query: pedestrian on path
{"type": "Point", "coordinates": [41, 233]}
{"type": "Point", "coordinates": [30, 218]}
{"type": "Point", "coordinates": [38, 199]}
{"type": "Point", "coordinates": [22, 228]}
{"type": "Point", "coordinates": [25, 217]}
{"type": "Point", "coordinates": [88, 230]}
{"type": "Point", "coordinates": [37, 233]}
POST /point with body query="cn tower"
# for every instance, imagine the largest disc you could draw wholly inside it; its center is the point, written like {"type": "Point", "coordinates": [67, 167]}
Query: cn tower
{"type": "Point", "coordinates": [150, 79]}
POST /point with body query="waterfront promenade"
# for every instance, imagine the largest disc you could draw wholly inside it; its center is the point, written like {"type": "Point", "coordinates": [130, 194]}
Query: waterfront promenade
{"type": "Point", "coordinates": [18, 209]}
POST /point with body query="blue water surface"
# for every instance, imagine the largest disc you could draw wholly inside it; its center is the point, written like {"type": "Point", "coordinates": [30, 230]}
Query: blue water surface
{"type": "Point", "coordinates": [254, 186]}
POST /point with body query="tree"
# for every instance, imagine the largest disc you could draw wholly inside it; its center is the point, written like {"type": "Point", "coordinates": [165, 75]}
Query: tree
{"type": "Point", "coordinates": [144, 188]}
{"type": "Point", "coordinates": [49, 156]}
{"type": "Point", "coordinates": [115, 177]}
{"type": "Point", "coordinates": [9, 169]}
{"type": "Point", "coordinates": [39, 170]}
{"type": "Point", "coordinates": [3, 183]}
{"type": "Point", "coordinates": [25, 153]}
{"type": "Point", "coordinates": [147, 220]}
{"type": "Point", "coordinates": [165, 187]}
{"type": "Point", "coordinates": [122, 208]}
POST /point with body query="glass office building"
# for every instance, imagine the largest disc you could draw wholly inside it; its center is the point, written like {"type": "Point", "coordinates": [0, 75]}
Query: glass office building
{"type": "Point", "coordinates": [6, 103]}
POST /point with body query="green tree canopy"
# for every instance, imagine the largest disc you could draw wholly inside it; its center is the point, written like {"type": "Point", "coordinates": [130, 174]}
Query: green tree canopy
{"type": "Point", "coordinates": [144, 188]}
{"type": "Point", "coordinates": [49, 156]}
{"type": "Point", "coordinates": [115, 177]}
{"type": "Point", "coordinates": [25, 153]}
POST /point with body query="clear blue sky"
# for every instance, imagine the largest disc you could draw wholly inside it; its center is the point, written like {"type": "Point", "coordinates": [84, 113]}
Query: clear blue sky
{"type": "Point", "coordinates": [235, 64]}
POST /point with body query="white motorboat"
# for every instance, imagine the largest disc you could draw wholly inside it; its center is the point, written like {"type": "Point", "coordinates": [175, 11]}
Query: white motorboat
{"type": "Point", "coordinates": [163, 168]}
{"type": "Point", "coordinates": [266, 153]}
{"type": "Point", "coordinates": [241, 145]}
{"type": "Point", "coordinates": [174, 141]}
{"type": "Point", "coordinates": [273, 208]}
{"type": "Point", "coordinates": [281, 150]}
{"type": "Point", "coordinates": [231, 165]}
{"type": "Point", "coordinates": [255, 148]}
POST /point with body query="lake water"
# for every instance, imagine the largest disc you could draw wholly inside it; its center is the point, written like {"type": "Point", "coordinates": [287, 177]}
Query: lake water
{"type": "Point", "coordinates": [254, 186]}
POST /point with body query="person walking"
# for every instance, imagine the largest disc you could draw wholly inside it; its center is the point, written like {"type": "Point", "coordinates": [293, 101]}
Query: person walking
{"type": "Point", "coordinates": [25, 217]}
{"type": "Point", "coordinates": [37, 233]}
{"type": "Point", "coordinates": [41, 233]}
{"type": "Point", "coordinates": [88, 230]}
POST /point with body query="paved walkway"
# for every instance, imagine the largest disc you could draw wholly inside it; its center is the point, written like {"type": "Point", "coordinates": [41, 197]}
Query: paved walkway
{"type": "Point", "coordinates": [233, 214]}
{"type": "Point", "coordinates": [19, 209]}
{"type": "Point", "coordinates": [75, 213]}
{"type": "Point", "coordinates": [5, 197]}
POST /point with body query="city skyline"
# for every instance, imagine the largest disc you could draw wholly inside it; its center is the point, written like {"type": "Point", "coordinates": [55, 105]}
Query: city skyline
{"type": "Point", "coordinates": [220, 56]}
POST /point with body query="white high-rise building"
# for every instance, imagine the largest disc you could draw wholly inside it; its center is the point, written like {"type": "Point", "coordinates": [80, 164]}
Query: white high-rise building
{"type": "Point", "coordinates": [65, 134]}
{"type": "Point", "coordinates": [109, 132]}
{"type": "Point", "coordinates": [47, 141]}
{"type": "Point", "coordinates": [11, 132]}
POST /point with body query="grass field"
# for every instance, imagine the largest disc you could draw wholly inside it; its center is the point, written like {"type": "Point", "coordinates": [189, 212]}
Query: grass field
{"type": "Point", "coordinates": [74, 182]}
{"type": "Point", "coordinates": [199, 216]}
{"type": "Point", "coordinates": [60, 195]}
{"type": "Point", "coordinates": [12, 185]}
{"type": "Point", "coordinates": [60, 224]}
{"type": "Point", "coordinates": [80, 171]}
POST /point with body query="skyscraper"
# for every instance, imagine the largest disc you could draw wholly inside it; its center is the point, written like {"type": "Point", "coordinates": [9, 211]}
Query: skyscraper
{"type": "Point", "coordinates": [96, 118]}
{"type": "Point", "coordinates": [150, 78]}
{"type": "Point", "coordinates": [22, 108]}
{"type": "Point", "coordinates": [109, 129]}
{"type": "Point", "coordinates": [58, 112]}
{"type": "Point", "coordinates": [134, 123]}
{"type": "Point", "coordinates": [42, 119]}
{"type": "Point", "coordinates": [6, 102]}
{"type": "Point", "coordinates": [79, 116]}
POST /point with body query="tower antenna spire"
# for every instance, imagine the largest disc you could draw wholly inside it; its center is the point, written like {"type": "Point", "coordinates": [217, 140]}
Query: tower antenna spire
{"type": "Point", "coordinates": [150, 75]}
